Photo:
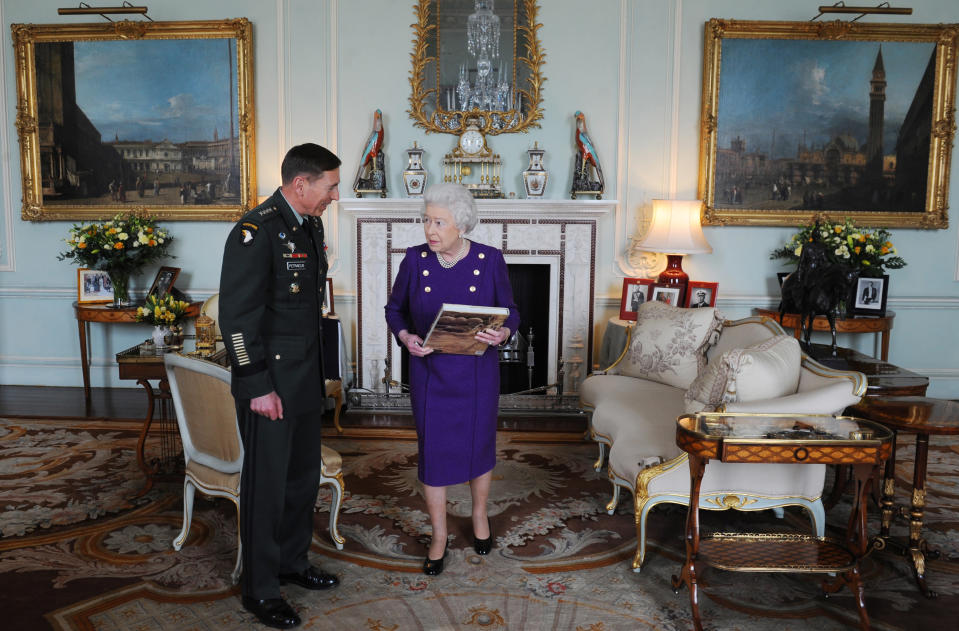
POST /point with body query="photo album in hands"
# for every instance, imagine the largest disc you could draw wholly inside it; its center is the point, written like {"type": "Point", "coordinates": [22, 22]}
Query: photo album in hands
{"type": "Point", "coordinates": [456, 326]}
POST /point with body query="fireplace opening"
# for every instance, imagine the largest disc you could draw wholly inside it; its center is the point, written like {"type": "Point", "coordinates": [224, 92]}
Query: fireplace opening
{"type": "Point", "coordinates": [520, 369]}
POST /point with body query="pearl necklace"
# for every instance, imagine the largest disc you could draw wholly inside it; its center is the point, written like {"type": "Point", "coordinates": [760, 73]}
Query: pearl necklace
{"type": "Point", "coordinates": [456, 259]}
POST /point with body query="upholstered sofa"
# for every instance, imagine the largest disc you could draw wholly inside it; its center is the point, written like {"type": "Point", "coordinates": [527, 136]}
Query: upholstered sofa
{"type": "Point", "coordinates": [680, 361]}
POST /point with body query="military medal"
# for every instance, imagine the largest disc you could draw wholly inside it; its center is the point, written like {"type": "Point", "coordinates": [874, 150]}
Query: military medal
{"type": "Point", "coordinates": [294, 288]}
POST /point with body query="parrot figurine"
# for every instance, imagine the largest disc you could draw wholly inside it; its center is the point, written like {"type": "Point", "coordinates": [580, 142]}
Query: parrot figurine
{"type": "Point", "coordinates": [582, 180]}
{"type": "Point", "coordinates": [369, 175]}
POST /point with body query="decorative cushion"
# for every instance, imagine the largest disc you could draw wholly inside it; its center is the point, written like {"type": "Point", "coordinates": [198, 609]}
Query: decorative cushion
{"type": "Point", "coordinates": [766, 370]}
{"type": "Point", "coordinates": [669, 344]}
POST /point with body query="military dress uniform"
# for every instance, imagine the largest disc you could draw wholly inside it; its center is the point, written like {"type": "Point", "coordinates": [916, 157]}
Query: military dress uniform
{"type": "Point", "coordinates": [271, 292]}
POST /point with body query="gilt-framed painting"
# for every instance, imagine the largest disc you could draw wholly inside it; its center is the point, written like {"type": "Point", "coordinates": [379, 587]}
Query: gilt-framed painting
{"type": "Point", "coordinates": [834, 119]}
{"type": "Point", "coordinates": [155, 118]}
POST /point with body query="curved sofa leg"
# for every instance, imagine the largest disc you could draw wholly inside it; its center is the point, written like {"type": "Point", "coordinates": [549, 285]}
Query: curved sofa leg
{"type": "Point", "coordinates": [817, 514]}
{"type": "Point", "coordinates": [640, 556]}
{"type": "Point", "coordinates": [779, 512]}
{"type": "Point", "coordinates": [598, 465]}
{"type": "Point", "coordinates": [238, 568]}
{"type": "Point", "coordinates": [188, 492]}
{"type": "Point", "coordinates": [611, 507]}
{"type": "Point", "coordinates": [336, 483]}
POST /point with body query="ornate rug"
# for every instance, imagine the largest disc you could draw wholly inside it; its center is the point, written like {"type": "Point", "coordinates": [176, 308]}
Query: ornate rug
{"type": "Point", "coordinates": [559, 562]}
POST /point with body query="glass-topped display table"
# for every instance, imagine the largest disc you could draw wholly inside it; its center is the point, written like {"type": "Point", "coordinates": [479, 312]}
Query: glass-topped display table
{"type": "Point", "coordinates": [792, 439]}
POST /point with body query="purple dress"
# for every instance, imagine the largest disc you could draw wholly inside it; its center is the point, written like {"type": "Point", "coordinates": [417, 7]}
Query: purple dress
{"type": "Point", "coordinates": [455, 398]}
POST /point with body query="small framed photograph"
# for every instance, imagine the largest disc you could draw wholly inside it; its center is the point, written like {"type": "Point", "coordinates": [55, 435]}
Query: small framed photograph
{"type": "Point", "coordinates": [870, 296]}
{"type": "Point", "coordinates": [669, 295]}
{"type": "Point", "coordinates": [635, 293]}
{"type": "Point", "coordinates": [701, 294]}
{"type": "Point", "coordinates": [163, 282]}
{"type": "Point", "coordinates": [328, 298]}
{"type": "Point", "coordinates": [93, 287]}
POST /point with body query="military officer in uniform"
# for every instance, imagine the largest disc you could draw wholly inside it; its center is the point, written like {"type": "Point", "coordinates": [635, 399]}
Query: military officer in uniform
{"type": "Point", "coordinates": [271, 292]}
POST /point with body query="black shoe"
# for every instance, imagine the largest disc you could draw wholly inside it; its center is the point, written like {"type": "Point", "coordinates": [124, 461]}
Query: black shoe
{"type": "Point", "coordinates": [310, 578]}
{"type": "Point", "coordinates": [432, 567]}
{"type": "Point", "coordinates": [273, 612]}
{"type": "Point", "coordinates": [483, 546]}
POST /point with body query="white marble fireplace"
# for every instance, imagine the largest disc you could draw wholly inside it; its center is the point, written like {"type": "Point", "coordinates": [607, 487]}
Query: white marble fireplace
{"type": "Point", "coordinates": [558, 233]}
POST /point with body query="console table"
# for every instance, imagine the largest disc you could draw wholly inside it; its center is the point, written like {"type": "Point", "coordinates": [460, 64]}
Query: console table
{"type": "Point", "coordinates": [768, 438]}
{"type": "Point", "coordinates": [849, 324]}
{"type": "Point", "coordinates": [106, 314]}
{"type": "Point", "coordinates": [921, 416]}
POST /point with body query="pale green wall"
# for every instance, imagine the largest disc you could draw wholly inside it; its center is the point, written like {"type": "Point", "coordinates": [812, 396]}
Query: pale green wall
{"type": "Point", "coordinates": [321, 69]}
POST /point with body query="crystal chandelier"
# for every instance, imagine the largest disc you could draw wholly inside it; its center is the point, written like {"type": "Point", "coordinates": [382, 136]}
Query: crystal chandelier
{"type": "Point", "coordinates": [482, 43]}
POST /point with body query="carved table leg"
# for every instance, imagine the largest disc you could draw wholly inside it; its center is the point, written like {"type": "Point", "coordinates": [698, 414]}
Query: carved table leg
{"type": "Point", "coordinates": [918, 550]}
{"type": "Point", "coordinates": [888, 502]}
{"type": "Point", "coordinates": [856, 542]}
{"type": "Point", "coordinates": [697, 467]}
{"type": "Point", "coordinates": [148, 471]}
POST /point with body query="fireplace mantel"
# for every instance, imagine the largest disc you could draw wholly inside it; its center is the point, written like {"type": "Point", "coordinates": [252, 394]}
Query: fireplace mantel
{"type": "Point", "coordinates": [558, 233]}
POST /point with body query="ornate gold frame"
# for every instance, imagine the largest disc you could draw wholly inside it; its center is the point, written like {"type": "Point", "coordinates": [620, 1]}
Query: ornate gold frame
{"type": "Point", "coordinates": [454, 122]}
{"type": "Point", "coordinates": [26, 36]}
{"type": "Point", "coordinates": [944, 36]}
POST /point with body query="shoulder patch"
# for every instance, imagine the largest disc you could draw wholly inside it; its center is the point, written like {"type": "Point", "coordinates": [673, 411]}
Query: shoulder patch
{"type": "Point", "coordinates": [248, 232]}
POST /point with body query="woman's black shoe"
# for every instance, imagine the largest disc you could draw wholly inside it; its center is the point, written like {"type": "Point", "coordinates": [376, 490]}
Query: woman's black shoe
{"type": "Point", "coordinates": [483, 546]}
{"type": "Point", "coordinates": [432, 567]}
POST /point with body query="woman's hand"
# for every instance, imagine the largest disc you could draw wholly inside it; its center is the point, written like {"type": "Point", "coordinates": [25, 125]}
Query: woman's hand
{"type": "Point", "coordinates": [494, 337]}
{"type": "Point", "coordinates": [413, 343]}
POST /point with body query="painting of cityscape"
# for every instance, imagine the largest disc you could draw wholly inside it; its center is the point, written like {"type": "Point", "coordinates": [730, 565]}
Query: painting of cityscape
{"type": "Point", "coordinates": [840, 126]}
{"type": "Point", "coordinates": [150, 124]}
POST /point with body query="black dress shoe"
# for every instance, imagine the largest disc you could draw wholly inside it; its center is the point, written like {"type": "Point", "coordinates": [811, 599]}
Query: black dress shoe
{"type": "Point", "coordinates": [273, 612]}
{"type": "Point", "coordinates": [310, 578]}
{"type": "Point", "coordinates": [483, 546]}
{"type": "Point", "coordinates": [432, 567]}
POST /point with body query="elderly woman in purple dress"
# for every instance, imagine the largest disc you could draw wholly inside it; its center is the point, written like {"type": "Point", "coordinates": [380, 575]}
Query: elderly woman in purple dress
{"type": "Point", "coordinates": [455, 398]}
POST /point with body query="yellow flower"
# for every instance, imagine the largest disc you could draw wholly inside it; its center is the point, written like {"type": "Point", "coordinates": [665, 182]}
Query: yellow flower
{"type": "Point", "coordinates": [82, 245]}
{"type": "Point", "coordinates": [837, 229]}
{"type": "Point", "coordinates": [857, 249]}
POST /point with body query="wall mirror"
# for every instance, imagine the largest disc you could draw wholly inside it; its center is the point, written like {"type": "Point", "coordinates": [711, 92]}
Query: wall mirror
{"type": "Point", "coordinates": [476, 59]}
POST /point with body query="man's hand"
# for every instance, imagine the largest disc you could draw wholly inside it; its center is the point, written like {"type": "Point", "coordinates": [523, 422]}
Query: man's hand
{"type": "Point", "coordinates": [269, 405]}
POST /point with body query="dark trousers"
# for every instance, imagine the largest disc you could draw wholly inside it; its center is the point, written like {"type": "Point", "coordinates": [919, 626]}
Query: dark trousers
{"type": "Point", "coordinates": [278, 487]}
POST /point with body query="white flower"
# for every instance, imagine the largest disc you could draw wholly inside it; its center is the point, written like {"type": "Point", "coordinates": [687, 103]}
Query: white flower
{"type": "Point", "coordinates": [123, 236]}
{"type": "Point", "coordinates": [160, 240]}
{"type": "Point", "coordinates": [798, 251]}
{"type": "Point", "coordinates": [870, 248]}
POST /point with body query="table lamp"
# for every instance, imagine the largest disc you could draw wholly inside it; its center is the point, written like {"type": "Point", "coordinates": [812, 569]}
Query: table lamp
{"type": "Point", "coordinates": [675, 230]}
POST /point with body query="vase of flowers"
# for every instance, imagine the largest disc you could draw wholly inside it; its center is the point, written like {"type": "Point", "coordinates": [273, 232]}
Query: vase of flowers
{"type": "Point", "coordinates": [121, 246]}
{"type": "Point", "coordinates": [870, 251]}
{"type": "Point", "coordinates": [165, 314]}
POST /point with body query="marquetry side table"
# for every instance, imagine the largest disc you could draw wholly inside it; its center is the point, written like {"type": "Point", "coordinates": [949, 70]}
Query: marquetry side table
{"type": "Point", "coordinates": [849, 324]}
{"type": "Point", "coordinates": [773, 438]}
{"type": "Point", "coordinates": [921, 416]}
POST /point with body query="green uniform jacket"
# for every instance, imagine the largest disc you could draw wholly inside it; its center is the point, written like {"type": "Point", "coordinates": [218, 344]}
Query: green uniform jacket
{"type": "Point", "coordinates": [271, 292]}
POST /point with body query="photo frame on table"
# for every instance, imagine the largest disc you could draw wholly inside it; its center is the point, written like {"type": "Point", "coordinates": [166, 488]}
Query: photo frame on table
{"type": "Point", "coordinates": [836, 119]}
{"type": "Point", "coordinates": [93, 286]}
{"type": "Point", "coordinates": [870, 296]}
{"type": "Point", "coordinates": [149, 117]}
{"type": "Point", "coordinates": [669, 295]}
{"type": "Point", "coordinates": [163, 281]}
{"type": "Point", "coordinates": [700, 294]}
{"type": "Point", "coordinates": [328, 298]}
{"type": "Point", "coordinates": [636, 291]}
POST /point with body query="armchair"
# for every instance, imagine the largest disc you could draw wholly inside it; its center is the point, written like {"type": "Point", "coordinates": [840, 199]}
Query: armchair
{"type": "Point", "coordinates": [635, 418]}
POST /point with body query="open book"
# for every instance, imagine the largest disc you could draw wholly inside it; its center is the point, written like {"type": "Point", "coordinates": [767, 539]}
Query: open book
{"type": "Point", "coordinates": [455, 326]}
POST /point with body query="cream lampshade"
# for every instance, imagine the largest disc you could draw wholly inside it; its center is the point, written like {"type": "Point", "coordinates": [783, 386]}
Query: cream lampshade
{"type": "Point", "coordinates": [676, 230]}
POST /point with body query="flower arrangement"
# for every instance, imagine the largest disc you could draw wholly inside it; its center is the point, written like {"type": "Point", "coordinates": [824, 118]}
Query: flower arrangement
{"type": "Point", "coordinates": [162, 310]}
{"type": "Point", "coordinates": [869, 250]}
{"type": "Point", "coordinates": [120, 244]}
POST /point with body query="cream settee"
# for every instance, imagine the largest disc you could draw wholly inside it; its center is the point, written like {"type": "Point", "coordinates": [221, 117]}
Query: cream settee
{"type": "Point", "coordinates": [679, 361]}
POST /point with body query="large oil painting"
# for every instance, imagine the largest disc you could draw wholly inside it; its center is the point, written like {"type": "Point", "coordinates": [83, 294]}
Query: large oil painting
{"type": "Point", "coordinates": [836, 119]}
{"type": "Point", "coordinates": [149, 117]}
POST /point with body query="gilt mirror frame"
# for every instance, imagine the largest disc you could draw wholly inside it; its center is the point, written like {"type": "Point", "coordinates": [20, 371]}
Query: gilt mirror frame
{"type": "Point", "coordinates": [224, 180]}
{"type": "Point", "coordinates": [829, 179]}
{"type": "Point", "coordinates": [425, 60]}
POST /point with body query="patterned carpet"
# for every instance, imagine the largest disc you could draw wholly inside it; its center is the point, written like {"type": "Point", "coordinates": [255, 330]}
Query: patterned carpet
{"type": "Point", "coordinates": [76, 554]}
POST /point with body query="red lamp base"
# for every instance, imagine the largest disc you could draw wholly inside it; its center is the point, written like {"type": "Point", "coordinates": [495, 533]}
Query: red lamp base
{"type": "Point", "coordinates": [674, 277]}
